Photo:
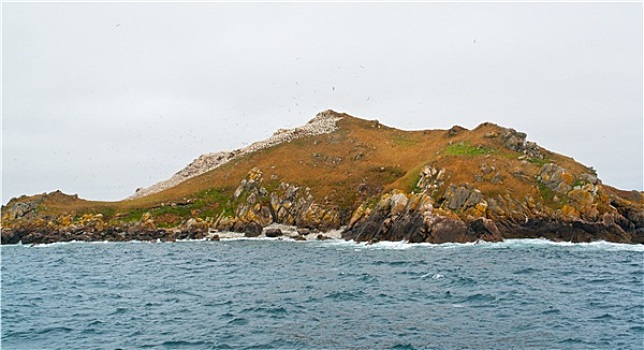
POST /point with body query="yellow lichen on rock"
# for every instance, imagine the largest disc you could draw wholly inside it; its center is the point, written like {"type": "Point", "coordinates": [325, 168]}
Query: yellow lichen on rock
{"type": "Point", "coordinates": [568, 213]}
{"type": "Point", "coordinates": [358, 214]}
{"type": "Point", "coordinates": [147, 222]}
{"type": "Point", "coordinates": [398, 202]}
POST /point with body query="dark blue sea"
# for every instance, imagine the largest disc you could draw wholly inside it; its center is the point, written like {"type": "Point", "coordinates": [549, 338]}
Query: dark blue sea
{"type": "Point", "coordinates": [264, 294]}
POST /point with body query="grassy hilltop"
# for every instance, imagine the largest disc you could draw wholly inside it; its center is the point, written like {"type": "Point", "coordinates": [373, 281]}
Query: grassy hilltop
{"type": "Point", "coordinates": [353, 167]}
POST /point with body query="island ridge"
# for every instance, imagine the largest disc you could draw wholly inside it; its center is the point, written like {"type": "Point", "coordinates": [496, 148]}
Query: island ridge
{"type": "Point", "coordinates": [366, 180]}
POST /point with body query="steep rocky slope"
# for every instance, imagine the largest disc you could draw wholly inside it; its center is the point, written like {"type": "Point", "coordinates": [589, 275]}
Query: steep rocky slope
{"type": "Point", "coordinates": [373, 181]}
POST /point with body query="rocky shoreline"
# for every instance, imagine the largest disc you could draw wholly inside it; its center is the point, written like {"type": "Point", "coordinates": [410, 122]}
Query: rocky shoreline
{"type": "Point", "coordinates": [292, 212]}
{"type": "Point", "coordinates": [437, 230]}
{"type": "Point", "coordinates": [280, 232]}
{"type": "Point", "coordinates": [368, 183]}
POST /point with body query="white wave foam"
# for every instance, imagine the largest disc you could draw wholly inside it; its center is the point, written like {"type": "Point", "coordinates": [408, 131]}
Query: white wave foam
{"type": "Point", "coordinates": [340, 243]}
{"type": "Point", "coordinates": [73, 242]}
{"type": "Point", "coordinates": [188, 240]}
{"type": "Point", "coordinates": [263, 238]}
{"type": "Point", "coordinates": [448, 245]}
{"type": "Point", "coordinates": [542, 242]}
{"type": "Point", "coordinates": [506, 244]}
{"type": "Point", "coordinates": [58, 244]}
{"type": "Point", "coordinates": [399, 245]}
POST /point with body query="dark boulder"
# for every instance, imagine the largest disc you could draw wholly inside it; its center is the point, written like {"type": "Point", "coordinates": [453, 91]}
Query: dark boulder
{"type": "Point", "coordinates": [442, 229]}
{"type": "Point", "coordinates": [250, 229]}
{"type": "Point", "coordinates": [484, 229]}
{"type": "Point", "coordinates": [32, 238]}
{"type": "Point", "coordinates": [273, 232]}
{"type": "Point", "coordinates": [575, 231]}
{"type": "Point", "coordinates": [10, 236]}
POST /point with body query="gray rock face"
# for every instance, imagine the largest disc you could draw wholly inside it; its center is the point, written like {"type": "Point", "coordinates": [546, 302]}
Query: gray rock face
{"type": "Point", "coordinates": [556, 178]}
{"type": "Point", "coordinates": [441, 229]}
{"type": "Point", "coordinates": [516, 141]}
{"type": "Point", "coordinates": [483, 227]}
{"type": "Point", "coordinates": [461, 197]}
{"type": "Point", "coordinates": [20, 210]}
{"type": "Point", "coordinates": [431, 179]}
{"type": "Point", "coordinates": [590, 178]}
{"type": "Point", "coordinates": [27, 209]}
{"type": "Point", "coordinates": [455, 197]}
{"type": "Point", "coordinates": [414, 220]}
{"type": "Point", "coordinates": [288, 205]}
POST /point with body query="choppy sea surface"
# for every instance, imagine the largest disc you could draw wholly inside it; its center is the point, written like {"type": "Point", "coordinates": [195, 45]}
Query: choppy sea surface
{"type": "Point", "coordinates": [262, 294]}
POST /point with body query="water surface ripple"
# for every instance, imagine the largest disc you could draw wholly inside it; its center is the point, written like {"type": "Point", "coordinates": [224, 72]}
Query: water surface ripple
{"type": "Point", "coordinates": [253, 294]}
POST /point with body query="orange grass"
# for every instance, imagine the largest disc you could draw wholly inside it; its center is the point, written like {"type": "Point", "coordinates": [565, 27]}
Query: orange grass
{"type": "Point", "coordinates": [360, 154]}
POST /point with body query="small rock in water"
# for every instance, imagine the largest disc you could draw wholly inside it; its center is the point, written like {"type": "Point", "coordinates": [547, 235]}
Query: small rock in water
{"type": "Point", "coordinates": [273, 232]}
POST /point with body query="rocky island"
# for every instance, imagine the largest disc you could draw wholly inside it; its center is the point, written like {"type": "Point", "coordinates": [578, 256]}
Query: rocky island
{"type": "Point", "coordinates": [363, 180]}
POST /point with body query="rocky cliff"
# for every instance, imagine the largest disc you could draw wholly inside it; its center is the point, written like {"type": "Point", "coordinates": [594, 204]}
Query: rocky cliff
{"type": "Point", "coordinates": [372, 181]}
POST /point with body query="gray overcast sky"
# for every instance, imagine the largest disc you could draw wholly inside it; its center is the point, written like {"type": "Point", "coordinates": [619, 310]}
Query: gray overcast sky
{"type": "Point", "coordinates": [100, 98]}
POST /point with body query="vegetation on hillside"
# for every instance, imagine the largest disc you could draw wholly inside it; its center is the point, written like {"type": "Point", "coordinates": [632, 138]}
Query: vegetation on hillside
{"type": "Point", "coordinates": [348, 167]}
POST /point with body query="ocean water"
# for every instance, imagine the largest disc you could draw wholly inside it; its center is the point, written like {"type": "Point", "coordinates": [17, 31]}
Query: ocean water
{"type": "Point", "coordinates": [262, 294]}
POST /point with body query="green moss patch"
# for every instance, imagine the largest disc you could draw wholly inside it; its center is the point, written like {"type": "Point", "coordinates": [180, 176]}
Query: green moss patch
{"type": "Point", "coordinates": [466, 149]}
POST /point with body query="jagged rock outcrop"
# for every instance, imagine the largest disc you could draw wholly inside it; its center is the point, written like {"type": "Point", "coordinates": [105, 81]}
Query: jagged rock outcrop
{"type": "Point", "coordinates": [516, 141]}
{"type": "Point", "coordinates": [463, 198]}
{"type": "Point", "coordinates": [556, 178]}
{"type": "Point", "coordinates": [414, 218]}
{"type": "Point", "coordinates": [399, 216]}
{"type": "Point", "coordinates": [431, 179]}
{"type": "Point", "coordinates": [463, 214]}
{"type": "Point", "coordinates": [287, 204]}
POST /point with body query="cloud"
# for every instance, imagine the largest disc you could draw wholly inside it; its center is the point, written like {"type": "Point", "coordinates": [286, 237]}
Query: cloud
{"type": "Point", "coordinates": [100, 98]}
